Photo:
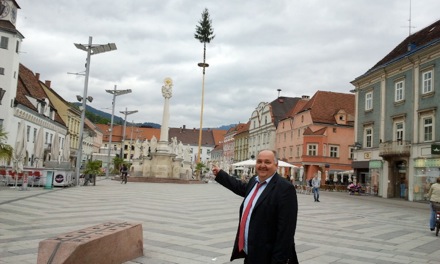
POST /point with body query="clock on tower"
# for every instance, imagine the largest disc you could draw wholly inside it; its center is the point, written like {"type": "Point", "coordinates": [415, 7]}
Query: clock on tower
{"type": "Point", "coordinates": [4, 9]}
{"type": "Point", "coordinates": [8, 10]}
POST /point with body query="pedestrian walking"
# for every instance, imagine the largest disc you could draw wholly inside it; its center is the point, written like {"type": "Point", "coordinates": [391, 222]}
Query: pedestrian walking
{"type": "Point", "coordinates": [316, 184]}
{"type": "Point", "coordinates": [268, 213]}
{"type": "Point", "coordinates": [434, 199]}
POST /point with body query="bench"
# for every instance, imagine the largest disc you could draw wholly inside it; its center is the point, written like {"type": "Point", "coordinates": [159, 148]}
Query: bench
{"type": "Point", "coordinates": [107, 243]}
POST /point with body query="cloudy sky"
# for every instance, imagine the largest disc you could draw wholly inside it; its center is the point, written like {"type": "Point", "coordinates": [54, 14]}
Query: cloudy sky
{"type": "Point", "coordinates": [298, 46]}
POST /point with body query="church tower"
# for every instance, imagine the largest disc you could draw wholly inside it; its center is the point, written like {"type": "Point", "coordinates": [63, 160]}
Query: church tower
{"type": "Point", "coordinates": [10, 44]}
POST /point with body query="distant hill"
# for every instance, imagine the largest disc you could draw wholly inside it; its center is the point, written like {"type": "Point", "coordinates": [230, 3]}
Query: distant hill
{"type": "Point", "coordinates": [226, 127]}
{"type": "Point", "coordinates": [101, 117]}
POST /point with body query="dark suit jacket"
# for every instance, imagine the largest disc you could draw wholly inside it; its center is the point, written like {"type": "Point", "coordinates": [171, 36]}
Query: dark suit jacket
{"type": "Point", "coordinates": [273, 220]}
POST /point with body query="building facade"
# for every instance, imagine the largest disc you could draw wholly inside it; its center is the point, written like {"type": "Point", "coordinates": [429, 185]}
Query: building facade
{"type": "Point", "coordinates": [397, 124]}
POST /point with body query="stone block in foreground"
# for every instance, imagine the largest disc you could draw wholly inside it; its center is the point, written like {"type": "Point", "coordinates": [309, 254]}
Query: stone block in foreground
{"type": "Point", "coordinates": [107, 243]}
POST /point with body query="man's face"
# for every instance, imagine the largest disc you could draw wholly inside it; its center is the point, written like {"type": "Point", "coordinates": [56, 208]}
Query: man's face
{"type": "Point", "coordinates": [266, 165]}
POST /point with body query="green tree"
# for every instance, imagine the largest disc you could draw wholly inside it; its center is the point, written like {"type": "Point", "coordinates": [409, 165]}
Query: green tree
{"type": "Point", "coordinates": [204, 33]}
{"type": "Point", "coordinates": [5, 149]}
{"type": "Point", "coordinates": [117, 162]}
{"type": "Point", "coordinates": [93, 167]}
{"type": "Point", "coordinates": [199, 169]}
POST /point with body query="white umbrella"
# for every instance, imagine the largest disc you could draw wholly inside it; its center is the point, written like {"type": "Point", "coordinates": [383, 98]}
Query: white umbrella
{"type": "Point", "coordinates": [19, 150]}
{"type": "Point", "coordinates": [39, 148]}
{"type": "Point", "coordinates": [55, 148]}
{"type": "Point", "coordinates": [66, 148]}
{"type": "Point", "coordinates": [251, 162]}
{"type": "Point", "coordinates": [301, 173]}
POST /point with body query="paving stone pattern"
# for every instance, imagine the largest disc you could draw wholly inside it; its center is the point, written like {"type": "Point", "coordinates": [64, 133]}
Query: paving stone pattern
{"type": "Point", "coordinates": [196, 223]}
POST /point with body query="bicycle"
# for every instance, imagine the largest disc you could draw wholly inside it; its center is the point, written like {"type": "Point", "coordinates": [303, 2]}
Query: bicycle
{"type": "Point", "coordinates": [124, 177]}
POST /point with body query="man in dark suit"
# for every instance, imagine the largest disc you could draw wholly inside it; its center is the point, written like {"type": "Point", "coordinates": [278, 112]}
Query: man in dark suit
{"type": "Point", "coordinates": [268, 214]}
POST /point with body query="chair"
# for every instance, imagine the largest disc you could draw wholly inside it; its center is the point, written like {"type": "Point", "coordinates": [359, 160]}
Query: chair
{"type": "Point", "coordinates": [30, 177]}
{"type": "Point", "coordinates": [3, 177]}
{"type": "Point", "coordinates": [11, 177]}
{"type": "Point", "coordinates": [20, 176]}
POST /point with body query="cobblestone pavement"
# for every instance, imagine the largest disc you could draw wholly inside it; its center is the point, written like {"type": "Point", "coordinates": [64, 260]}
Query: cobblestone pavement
{"type": "Point", "coordinates": [196, 223]}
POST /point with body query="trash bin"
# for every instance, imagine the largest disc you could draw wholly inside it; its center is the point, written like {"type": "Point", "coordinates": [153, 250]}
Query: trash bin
{"type": "Point", "coordinates": [49, 180]}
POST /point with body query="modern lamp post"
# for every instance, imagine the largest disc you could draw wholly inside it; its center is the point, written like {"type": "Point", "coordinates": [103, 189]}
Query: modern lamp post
{"type": "Point", "coordinates": [91, 50]}
{"type": "Point", "coordinates": [115, 93]}
{"type": "Point", "coordinates": [126, 113]}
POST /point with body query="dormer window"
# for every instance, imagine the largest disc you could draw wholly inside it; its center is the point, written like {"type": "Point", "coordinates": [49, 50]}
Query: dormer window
{"type": "Point", "coordinates": [44, 108]}
{"type": "Point", "coordinates": [52, 114]}
{"type": "Point", "coordinates": [41, 106]}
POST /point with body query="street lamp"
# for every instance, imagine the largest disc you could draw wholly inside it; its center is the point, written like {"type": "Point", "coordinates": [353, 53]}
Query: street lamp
{"type": "Point", "coordinates": [126, 113]}
{"type": "Point", "coordinates": [91, 50]}
{"type": "Point", "coordinates": [115, 93]}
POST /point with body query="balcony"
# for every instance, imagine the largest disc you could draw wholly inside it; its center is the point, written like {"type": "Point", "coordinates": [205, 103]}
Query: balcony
{"type": "Point", "coordinates": [395, 148]}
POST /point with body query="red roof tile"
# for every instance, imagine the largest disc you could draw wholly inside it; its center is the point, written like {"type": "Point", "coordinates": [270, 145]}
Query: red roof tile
{"type": "Point", "coordinates": [324, 105]}
{"type": "Point", "coordinates": [29, 85]}
{"type": "Point", "coordinates": [417, 41]}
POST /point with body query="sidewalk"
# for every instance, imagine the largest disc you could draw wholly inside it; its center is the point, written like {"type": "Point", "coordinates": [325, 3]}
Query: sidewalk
{"type": "Point", "coordinates": [196, 223]}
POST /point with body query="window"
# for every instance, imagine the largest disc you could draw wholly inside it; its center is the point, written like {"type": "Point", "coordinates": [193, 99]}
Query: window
{"type": "Point", "coordinates": [351, 151]}
{"type": "Point", "coordinates": [17, 47]}
{"type": "Point", "coordinates": [265, 120]}
{"type": "Point", "coordinates": [368, 101]}
{"type": "Point", "coordinates": [334, 151]}
{"type": "Point", "coordinates": [312, 149]}
{"type": "Point", "coordinates": [368, 137]}
{"type": "Point", "coordinates": [427, 128]}
{"type": "Point", "coordinates": [28, 133]}
{"type": "Point", "coordinates": [47, 138]}
{"type": "Point", "coordinates": [4, 42]}
{"type": "Point", "coordinates": [398, 131]}
{"type": "Point", "coordinates": [2, 71]}
{"type": "Point", "coordinates": [427, 82]}
{"type": "Point", "coordinates": [35, 135]}
{"type": "Point", "coordinates": [399, 91]}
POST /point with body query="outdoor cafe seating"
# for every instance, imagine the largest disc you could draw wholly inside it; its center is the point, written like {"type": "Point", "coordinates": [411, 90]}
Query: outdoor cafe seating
{"type": "Point", "coordinates": [3, 178]}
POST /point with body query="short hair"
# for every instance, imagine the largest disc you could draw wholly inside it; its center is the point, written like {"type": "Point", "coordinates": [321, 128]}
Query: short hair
{"type": "Point", "coordinates": [274, 154]}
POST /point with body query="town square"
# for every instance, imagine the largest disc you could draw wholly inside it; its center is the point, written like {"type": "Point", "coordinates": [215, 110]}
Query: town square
{"type": "Point", "coordinates": [196, 223]}
{"type": "Point", "coordinates": [122, 117]}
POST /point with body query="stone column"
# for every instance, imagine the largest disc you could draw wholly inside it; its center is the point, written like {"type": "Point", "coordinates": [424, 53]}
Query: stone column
{"type": "Point", "coordinates": [167, 90]}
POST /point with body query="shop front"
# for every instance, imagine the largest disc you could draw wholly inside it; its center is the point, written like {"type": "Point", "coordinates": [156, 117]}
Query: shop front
{"type": "Point", "coordinates": [426, 172]}
{"type": "Point", "coordinates": [373, 178]}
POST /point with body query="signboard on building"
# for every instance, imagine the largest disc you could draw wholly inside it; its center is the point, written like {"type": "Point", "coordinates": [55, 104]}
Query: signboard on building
{"type": "Point", "coordinates": [435, 149]}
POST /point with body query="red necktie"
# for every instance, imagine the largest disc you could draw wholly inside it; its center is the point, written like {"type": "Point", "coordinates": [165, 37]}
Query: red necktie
{"type": "Point", "coordinates": [245, 216]}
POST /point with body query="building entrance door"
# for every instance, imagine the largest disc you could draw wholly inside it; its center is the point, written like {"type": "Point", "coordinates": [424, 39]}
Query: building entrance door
{"type": "Point", "coordinates": [400, 180]}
